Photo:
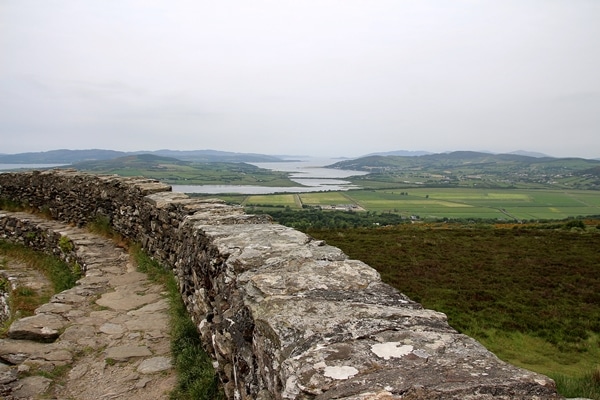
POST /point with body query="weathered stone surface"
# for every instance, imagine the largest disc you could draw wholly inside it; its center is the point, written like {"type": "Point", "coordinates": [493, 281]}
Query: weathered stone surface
{"type": "Point", "coordinates": [78, 371]}
{"type": "Point", "coordinates": [154, 365]}
{"type": "Point", "coordinates": [39, 327]}
{"type": "Point", "coordinates": [283, 315]}
{"type": "Point", "coordinates": [31, 387]}
{"type": "Point", "coordinates": [124, 353]}
{"type": "Point", "coordinates": [67, 297]}
{"type": "Point", "coordinates": [112, 329]}
{"type": "Point", "coordinates": [7, 374]}
{"type": "Point", "coordinates": [55, 308]}
{"type": "Point", "coordinates": [148, 323]}
{"type": "Point", "coordinates": [126, 299]}
{"type": "Point", "coordinates": [151, 309]}
{"type": "Point", "coordinates": [130, 278]}
{"type": "Point", "coordinates": [78, 332]}
{"type": "Point", "coordinates": [17, 351]}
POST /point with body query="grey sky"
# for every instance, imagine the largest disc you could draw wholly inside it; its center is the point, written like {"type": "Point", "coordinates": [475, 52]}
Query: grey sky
{"type": "Point", "coordinates": [317, 77]}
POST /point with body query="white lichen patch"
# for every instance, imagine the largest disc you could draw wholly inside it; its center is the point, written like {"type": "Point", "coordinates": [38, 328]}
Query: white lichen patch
{"type": "Point", "coordinates": [391, 349]}
{"type": "Point", "coordinates": [343, 372]}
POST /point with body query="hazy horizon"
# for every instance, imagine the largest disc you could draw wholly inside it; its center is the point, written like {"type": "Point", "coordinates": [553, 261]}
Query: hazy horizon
{"type": "Point", "coordinates": [309, 156]}
{"type": "Point", "coordinates": [327, 78]}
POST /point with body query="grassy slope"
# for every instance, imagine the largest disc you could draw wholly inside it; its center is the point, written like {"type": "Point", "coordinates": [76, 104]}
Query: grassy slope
{"type": "Point", "coordinates": [24, 300]}
{"type": "Point", "coordinates": [472, 169]}
{"type": "Point", "coordinates": [174, 171]}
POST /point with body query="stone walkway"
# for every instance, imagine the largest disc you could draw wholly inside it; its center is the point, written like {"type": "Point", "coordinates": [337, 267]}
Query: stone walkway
{"type": "Point", "coordinates": [106, 338]}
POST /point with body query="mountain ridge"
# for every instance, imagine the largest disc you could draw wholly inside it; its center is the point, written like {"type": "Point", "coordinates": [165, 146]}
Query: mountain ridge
{"type": "Point", "coordinates": [67, 156]}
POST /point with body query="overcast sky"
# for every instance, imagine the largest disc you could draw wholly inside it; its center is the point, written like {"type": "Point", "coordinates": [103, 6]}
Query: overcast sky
{"type": "Point", "coordinates": [315, 77]}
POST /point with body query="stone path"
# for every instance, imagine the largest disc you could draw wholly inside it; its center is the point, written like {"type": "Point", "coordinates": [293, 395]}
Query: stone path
{"type": "Point", "coordinates": [106, 338]}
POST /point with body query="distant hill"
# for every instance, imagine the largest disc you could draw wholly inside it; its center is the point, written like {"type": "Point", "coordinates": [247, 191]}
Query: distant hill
{"type": "Point", "coordinates": [455, 158]}
{"type": "Point", "coordinates": [64, 156]}
{"type": "Point", "coordinates": [176, 171]}
{"type": "Point", "coordinates": [410, 153]}
{"type": "Point", "coordinates": [215, 156]}
{"type": "Point", "coordinates": [139, 161]}
{"type": "Point", "coordinates": [529, 153]}
{"type": "Point", "coordinates": [477, 169]}
{"type": "Point", "coordinates": [406, 153]}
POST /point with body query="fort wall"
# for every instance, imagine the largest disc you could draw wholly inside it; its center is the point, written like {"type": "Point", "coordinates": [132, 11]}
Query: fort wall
{"type": "Point", "coordinates": [282, 315]}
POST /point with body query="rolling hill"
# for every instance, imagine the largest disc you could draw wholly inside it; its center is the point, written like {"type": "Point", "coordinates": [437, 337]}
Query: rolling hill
{"type": "Point", "coordinates": [468, 168]}
{"type": "Point", "coordinates": [64, 156]}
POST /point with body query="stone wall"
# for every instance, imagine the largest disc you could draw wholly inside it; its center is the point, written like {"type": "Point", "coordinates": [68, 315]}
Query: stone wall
{"type": "Point", "coordinates": [284, 316]}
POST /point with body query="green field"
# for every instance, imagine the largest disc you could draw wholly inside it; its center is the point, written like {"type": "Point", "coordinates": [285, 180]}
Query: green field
{"type": "Point", "coordinates": [461, 203]}
{"type": "Point", "coordinates": [325, 199]}
{"type": "Point", "coordinates": [450, 203]}
{"type": "Point", "coordinates": [274, 200]}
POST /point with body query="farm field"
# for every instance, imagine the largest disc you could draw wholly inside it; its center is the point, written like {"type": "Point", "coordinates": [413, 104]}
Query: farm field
{"type": "Point", "coordinates": [448, 203]}
{"type": "Point", "coordinates": [457, 203]}
{"type": "Point", "coordinates": [273, 200]}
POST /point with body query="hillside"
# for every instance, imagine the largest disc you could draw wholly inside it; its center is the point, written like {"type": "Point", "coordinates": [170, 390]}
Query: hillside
{"type": "Point", "coordinates": [475, 169]}
{"type": "Point", "coordinates": [175, 171]}
{"type": "Point", "coordinates": [64, 156]}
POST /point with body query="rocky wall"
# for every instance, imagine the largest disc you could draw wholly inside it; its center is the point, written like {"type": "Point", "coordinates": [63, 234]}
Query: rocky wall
{"type": "Point", "coordinates": [284, 316]}
{"type": "Point", "coordinates": [25, 231]}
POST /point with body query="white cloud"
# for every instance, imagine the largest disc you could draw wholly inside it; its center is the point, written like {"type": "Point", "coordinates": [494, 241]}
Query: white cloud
{"type": "Point", "coordinates": [326, 77]}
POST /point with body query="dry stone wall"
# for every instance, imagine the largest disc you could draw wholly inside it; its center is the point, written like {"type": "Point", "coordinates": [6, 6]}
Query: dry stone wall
{"type": "Point", "coordinates": [284, 316]}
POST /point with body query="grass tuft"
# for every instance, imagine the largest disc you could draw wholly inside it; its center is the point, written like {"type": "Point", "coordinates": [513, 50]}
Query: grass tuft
{"type": "Point", "coordinates": [10, 205]}
{"type": "Point", "coordinates": [586, 386]}
{"type": "Point", "coordinates": [102, 226]}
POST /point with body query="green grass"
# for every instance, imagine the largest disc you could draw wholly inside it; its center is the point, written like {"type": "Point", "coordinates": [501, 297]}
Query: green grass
{"type": "Point", "coordinates": [587, 386]}
{"type": "Point", "coordinates": [196, 378]}
{"type": "Point", "coordinates": [324, 198]}
{"type": "Point", "coordinates": [10, 205]}
{"type": "Point", "coordinates": [62, 275]}
{"type": "Point", "coordinates": [531, 294]}
{"type": "Point", "coordinates": [23, 300]}
{"type": "Point", "coordinates": [276, 200]}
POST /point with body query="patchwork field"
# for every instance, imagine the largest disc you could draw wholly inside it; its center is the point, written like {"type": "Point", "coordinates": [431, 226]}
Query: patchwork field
{"type": "Point", "coordinates": [432, 203]}
{"type": "Point", "coordinates": [444, 203]}
{"type": "Point", "coordinates": [453, 203]}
